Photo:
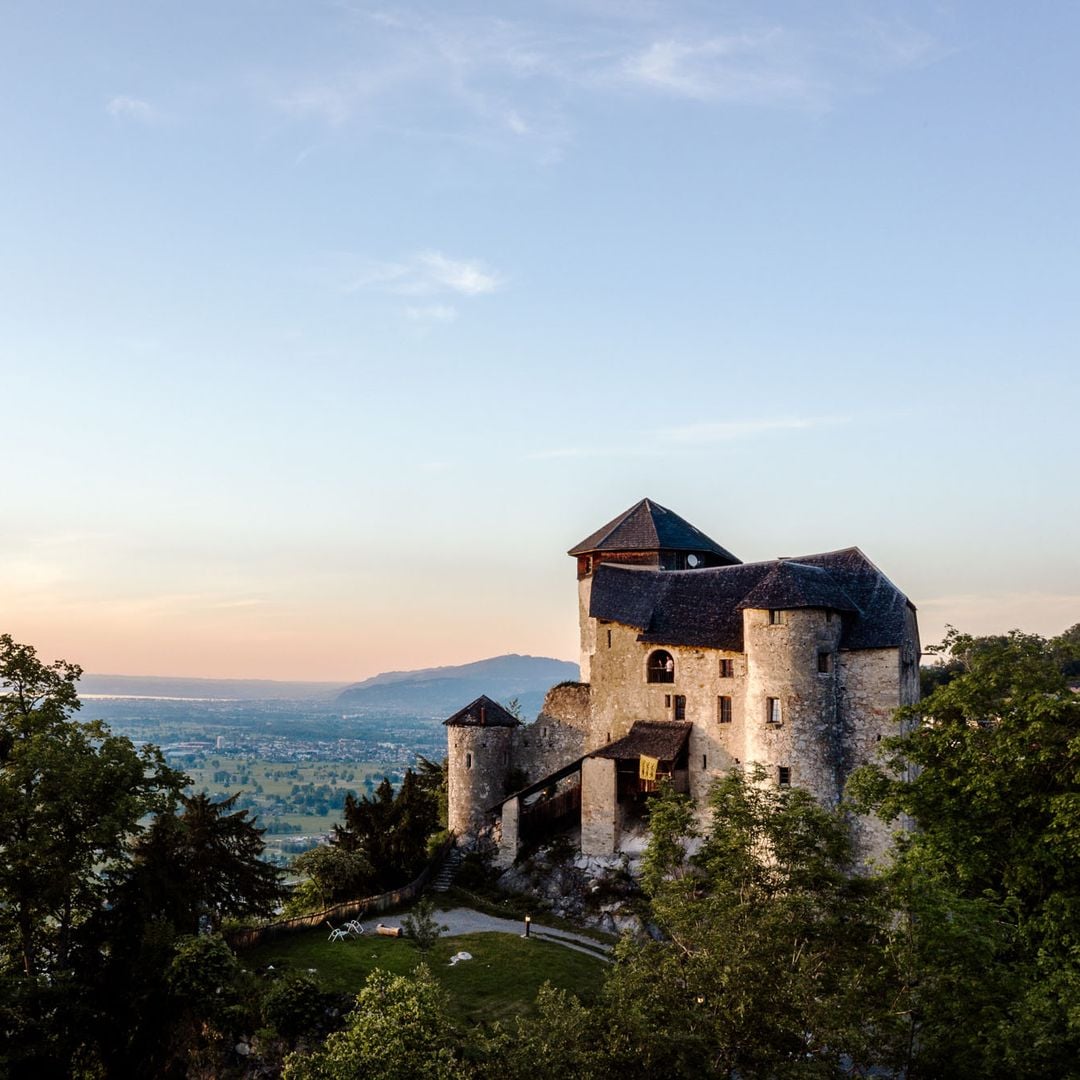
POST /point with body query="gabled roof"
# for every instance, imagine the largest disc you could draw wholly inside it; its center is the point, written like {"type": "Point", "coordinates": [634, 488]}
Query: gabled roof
{"type": "Point", "coordinates": [648, 526]}
{"type": "Point", "coordinates": [483, 712]}
{"type": "Point", "coordinates": [660, 739]}
{"type": "Point", "coordinates": [704, 607]}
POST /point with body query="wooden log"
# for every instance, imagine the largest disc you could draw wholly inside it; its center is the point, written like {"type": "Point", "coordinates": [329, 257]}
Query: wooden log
{"type": "Point", "coordinates": [388, 931]}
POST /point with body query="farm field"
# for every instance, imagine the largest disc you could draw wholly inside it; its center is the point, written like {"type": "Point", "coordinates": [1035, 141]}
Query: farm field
{"type": "Point", "coordinates": [289, 799]}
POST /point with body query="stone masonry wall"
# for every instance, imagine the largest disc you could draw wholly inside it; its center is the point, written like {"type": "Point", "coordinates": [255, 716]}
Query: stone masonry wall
{"type": "Point", "coordinates": [557, 736]}
{"type": "Point", "coordinates": [479, 764]}
{"type": "Point", "coordinates": [621, 694]}
{"type": "Point", "coordinates": [599, 825]}
{"type": "Point", "coordinates": [782, 663]}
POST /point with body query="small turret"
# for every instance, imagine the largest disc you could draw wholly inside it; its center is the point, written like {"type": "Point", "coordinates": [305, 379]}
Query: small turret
{"type": "Point", "coordinates": [479, 739]}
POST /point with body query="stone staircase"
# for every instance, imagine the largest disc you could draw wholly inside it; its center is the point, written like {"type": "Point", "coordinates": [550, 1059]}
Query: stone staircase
{"type": "Point", "coordinates": [447, 872]}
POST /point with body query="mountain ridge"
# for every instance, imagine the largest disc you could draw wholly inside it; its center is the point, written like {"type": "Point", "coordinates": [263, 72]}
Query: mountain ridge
{"type": "Point", "coordinates": [443, 690]}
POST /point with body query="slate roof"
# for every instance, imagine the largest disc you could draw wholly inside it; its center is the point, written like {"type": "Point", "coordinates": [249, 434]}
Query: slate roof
{"type": "Point", "coordinates": [483, 712]}
{"type": "Point", "coordinates": [704, 607]}
{"type": "Point", "coordinates": [798, 585]}
{"type": "Point", "coordinates": [660, 739]}
{"type": "Point", "coordinates": [648, 526]}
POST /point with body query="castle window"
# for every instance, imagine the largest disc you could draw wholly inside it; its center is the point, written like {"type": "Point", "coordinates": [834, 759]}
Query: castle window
{"type": "Point", "coordinates": [609, 639]}
{"type": "Point", "coordinates": [785, 776]}
{"type": "Point", "coordinates": [723, 710]}
{"type": "Point", "coordinates": [727, 669]}
{"type": "Point", "coordinates": [660, 667]}
{"type": "Point", "coordinates": [824, 663]}
{"type": "Point", "coordinates": [468, 761]}
{"type": "Point", "coordinates": [667, 701]}
{"type": "Point", "coordinates": [704, 761]}
{"type": "Point", "coordinates": [772, 711]}
{"type": "Point", "coordinates": [776, 617]}
{"type": "Point", "coordinates": [680, 707]}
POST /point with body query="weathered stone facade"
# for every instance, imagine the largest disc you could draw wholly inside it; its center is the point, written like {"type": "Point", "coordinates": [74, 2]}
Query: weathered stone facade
{"type": "Point", "coordinates": [796, 665]}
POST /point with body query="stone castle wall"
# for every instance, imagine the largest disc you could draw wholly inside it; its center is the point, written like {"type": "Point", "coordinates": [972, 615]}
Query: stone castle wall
{"type": "Point", "coordinates": [782, 663]}
{"type": "Point", "coordinates": [557, 736]}
{"type": "Point", "coordinates": [480, 759]}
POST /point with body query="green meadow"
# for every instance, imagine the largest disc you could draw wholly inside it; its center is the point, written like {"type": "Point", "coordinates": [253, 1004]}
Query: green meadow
{"type": "Point", "coordinates": [498, 983]}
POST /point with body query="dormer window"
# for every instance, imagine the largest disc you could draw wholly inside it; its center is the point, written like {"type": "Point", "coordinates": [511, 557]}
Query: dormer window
{"type": "Point", "coordinates": [660, 667]}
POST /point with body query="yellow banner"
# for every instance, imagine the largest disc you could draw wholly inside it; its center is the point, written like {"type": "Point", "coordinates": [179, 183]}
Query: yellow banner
{"type": "Point", "coordinates": [647, 767]}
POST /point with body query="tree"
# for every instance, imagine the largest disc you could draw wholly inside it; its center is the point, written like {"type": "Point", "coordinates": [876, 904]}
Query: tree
{"type": "Point", "coordinates": [398, 1030]}
{"type": "Point", "coordinates": [771, 962]}
{"type": "Point", "coordinates": [201, 866]}
{"type": "Point", "coordinates": [332, 873]}
{"type": "Point", "coordinates": [71, 797]}
{"type": "Point", "coordinates": [392, 830]}
{"type": "Point", "coordinates": [422, 927]}
{"type": "Point", "coordinates": [988, 769]}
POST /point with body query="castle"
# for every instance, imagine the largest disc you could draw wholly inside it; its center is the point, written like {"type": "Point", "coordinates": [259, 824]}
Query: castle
{"type": "Point", "coordinates": [692, 663]}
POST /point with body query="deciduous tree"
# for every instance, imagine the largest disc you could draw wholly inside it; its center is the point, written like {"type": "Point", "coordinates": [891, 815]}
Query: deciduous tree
{"type": "Point", "coordinates": [71, 796]}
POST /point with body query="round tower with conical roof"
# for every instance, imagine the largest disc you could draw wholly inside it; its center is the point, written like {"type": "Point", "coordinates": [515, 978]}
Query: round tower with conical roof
{"type": "Point", "coordinates": [647, 534]}
{"type": "Point", "coordinates": [480, 744]}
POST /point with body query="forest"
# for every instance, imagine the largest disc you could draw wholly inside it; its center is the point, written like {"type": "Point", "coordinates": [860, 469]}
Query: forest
{"type": "Point", "coordinates": [768, 957]}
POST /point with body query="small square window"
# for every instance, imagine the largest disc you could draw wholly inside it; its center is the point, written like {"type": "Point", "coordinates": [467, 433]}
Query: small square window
{"type": "Point", "coordinates": [772, 711]}
{"type": "Point", "coordinates": [785, 776]}
{"type": "Point", "coordinates": [727, 669]}
{"type": "Point", "coordinates": [776, 617]}
{"type": "Point", "coordinates": [824, 663]}
{"type": "Point", "coordinates": [723, 710]}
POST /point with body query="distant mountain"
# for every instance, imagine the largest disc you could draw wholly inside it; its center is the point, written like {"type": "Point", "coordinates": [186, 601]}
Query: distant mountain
{"type": "Point", "coordinates": [232, 689]}
{"type": "Point", "coordinates": [441, 691]}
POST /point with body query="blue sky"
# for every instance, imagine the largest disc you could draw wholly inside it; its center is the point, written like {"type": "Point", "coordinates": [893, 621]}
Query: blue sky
{"type": "Point", "coordinates": [326, 328]}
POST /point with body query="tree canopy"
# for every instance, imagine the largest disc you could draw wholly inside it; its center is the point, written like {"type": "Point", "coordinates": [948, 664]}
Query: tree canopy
{"type": "Point", "coordinates": [987, 769]}
{"type": "Point", "coordinates": [71, 797]}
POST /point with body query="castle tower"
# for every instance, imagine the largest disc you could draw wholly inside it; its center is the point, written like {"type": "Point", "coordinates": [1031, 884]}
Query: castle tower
{"type": "Point", "coordinates": [480, 739]}
{"type": "Point", "coordinates": [792, 625]}
{"type": "Point", "coordinates": [647, 534]}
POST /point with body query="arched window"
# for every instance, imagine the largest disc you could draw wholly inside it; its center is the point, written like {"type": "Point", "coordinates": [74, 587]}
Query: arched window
{"type": "Point", "coordinates": [660, 667]}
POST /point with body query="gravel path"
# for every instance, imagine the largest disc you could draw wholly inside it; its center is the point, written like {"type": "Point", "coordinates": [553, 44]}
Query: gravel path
{"type": "Point", "coordinates": [467, 921]}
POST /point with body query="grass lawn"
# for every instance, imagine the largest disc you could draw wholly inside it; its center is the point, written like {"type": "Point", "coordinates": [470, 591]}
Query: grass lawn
{"type": "Point", "coordinates": [498, 983]}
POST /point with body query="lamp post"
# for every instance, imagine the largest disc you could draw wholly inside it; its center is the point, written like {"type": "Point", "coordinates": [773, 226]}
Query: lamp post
{"type": "Point", "coordinates": [528, 925]}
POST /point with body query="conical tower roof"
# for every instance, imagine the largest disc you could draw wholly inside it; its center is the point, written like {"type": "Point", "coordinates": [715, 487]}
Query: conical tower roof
{"type": "Point", "coordinates": [483, 712]}
{"type": "Point", "coordinates": [648, 526]}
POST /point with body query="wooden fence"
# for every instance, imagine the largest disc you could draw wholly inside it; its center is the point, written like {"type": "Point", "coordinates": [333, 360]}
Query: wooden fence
{"type": "Point", "coordinates": [350, 909]}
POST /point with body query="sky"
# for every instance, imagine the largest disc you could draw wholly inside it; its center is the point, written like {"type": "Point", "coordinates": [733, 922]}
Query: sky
{"type": "Point", "coordinates": [326, 328]}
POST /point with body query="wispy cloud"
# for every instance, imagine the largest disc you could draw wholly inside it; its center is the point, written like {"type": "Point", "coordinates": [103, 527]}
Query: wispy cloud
{"type": "Point", "coordinates": [131, 108]}
{"type": "Point", "coordinates": [428, 273]}
{"type": "Point", "coordinates": [730, 430]}
{"type": "Point", "coordinates": [515, 81]}
{"type": "Point", "coordinates": [761, 67]}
